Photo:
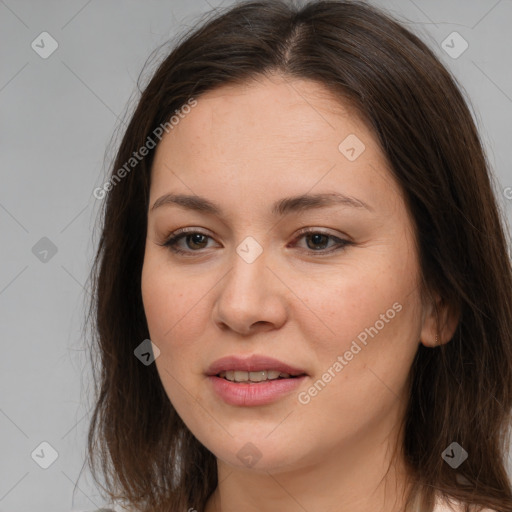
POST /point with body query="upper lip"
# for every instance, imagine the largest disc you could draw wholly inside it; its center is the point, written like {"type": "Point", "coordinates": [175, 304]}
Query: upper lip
{"type": "Point", "coordinates": [253, 363]}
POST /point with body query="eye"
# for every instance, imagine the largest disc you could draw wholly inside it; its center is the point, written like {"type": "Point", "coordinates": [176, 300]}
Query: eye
{"type": "Point", "coordinates": [315, 238]}
{"type": "Point", "coordinates": [196, 240]}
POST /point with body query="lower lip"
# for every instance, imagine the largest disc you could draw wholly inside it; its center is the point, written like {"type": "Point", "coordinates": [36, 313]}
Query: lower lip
{"type": "Point", "coordinates": [258, 393]}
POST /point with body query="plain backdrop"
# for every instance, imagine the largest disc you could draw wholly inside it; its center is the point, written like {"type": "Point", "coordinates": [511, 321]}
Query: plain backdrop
{"type": "Point", "coordinates": [58, 115]}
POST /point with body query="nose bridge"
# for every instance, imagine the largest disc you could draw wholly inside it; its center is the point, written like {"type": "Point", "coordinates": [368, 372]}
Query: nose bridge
{"type": "Point", "coordinates": [249, 294]}
{"type": "Point", "coordinates": [248, 271]}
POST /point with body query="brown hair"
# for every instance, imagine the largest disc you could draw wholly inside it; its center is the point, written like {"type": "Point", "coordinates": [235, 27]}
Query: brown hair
{"type": "Point", "coordinates": [460, 392]}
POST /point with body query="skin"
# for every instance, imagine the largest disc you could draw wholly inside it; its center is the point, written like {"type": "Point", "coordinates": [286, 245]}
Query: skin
{"type": "Point", "coordinates": [245, 147]}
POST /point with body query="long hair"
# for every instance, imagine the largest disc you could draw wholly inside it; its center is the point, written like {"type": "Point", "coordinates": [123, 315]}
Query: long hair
{"type": "Point", "coordinates": [459, 392]}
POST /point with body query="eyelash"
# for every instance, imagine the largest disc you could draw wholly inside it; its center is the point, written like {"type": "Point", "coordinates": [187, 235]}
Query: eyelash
{"type": "Point", "coordinates": [176, 236]}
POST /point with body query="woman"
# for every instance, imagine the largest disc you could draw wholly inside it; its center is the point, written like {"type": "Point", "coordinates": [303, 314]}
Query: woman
{"type": "Point", "coordinates": [303, 296]}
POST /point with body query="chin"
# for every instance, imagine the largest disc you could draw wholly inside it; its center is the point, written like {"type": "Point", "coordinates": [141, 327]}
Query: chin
{"type": "Point", "coordinates": [255, 453]}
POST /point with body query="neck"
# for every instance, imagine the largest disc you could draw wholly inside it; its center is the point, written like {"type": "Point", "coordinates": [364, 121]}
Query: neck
{"type": "Point", "coordinates": [358, 476]}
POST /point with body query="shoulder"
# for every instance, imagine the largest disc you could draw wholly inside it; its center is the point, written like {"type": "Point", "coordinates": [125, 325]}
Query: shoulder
{"type": "Point", "coordinates": [445, 505]}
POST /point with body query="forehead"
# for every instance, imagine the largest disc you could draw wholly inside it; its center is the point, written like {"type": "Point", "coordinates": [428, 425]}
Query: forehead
{"type": "Point", "coordinates": [287, 133]}
{"type": "Point", "coordinates": [267, 106]}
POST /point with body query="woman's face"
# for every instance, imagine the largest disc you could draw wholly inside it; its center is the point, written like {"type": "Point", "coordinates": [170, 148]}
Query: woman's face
{"type": "Point", "coordinates": [341, 304]}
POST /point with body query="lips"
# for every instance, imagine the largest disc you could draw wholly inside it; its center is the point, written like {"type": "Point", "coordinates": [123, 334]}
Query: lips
{"type": "Point", "coordinates": [253, 363]}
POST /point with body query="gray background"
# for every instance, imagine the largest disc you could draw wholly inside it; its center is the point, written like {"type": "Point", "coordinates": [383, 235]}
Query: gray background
{"type": "Point", "coordinates": [57, 118]}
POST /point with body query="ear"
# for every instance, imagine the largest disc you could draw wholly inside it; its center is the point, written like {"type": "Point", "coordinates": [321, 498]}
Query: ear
{"type": "Point", "coordinates": [439, 322]}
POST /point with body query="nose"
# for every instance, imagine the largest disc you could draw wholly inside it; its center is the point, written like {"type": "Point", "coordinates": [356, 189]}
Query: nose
{"type": "Point", "coordinates": [250, 298]}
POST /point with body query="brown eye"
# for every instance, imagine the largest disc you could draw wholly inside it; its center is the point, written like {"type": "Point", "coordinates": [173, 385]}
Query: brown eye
{"type": "Point", "coordinates": [317, 242]}
{"type": "Point", "coordinates": [197, 239]}
{"type": "Point", "coordinates": [194, 242]}
{"type": "Point", "coordinates": [317, 239]}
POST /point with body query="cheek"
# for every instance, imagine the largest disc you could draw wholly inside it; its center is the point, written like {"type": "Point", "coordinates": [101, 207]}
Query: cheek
{"type": "Point", "coordinates": [376, 355]}
{"type": "Point", "coordinates": [371, 314]}
{"type": "Point", "coordinates": [173, 309]}
{"type": "Point", "coordinates": [338, 308]}
{"type": "Point", "coordinates": [171, 301]}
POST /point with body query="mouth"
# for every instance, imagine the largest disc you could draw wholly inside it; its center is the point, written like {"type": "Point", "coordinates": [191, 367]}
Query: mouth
{"type": "Point", "coordinates": [253, 369]}
{"type": "Point", "coordinates": [254, 387]}
{"type": "Point", "coordinates": [245, 377]}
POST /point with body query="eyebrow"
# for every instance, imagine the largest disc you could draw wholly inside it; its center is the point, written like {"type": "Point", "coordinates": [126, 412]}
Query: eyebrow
{"type": "Point", "coordinates": [280, 208]}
